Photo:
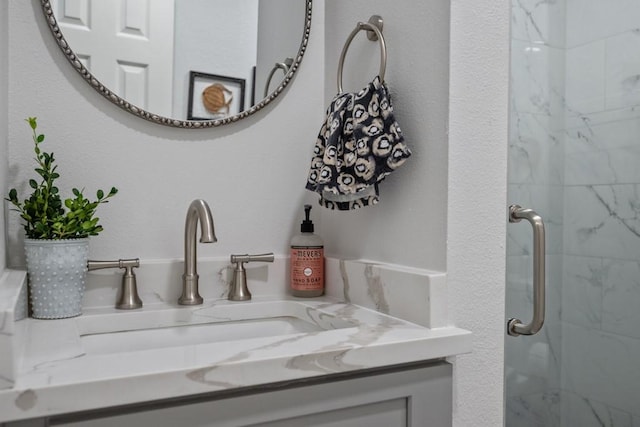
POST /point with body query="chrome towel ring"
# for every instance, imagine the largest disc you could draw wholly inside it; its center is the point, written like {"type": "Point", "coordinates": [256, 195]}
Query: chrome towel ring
{"type": "Point", "coordinates": [374, 25]}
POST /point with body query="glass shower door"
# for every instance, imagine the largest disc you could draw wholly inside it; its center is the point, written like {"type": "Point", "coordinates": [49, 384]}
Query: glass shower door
{"type": "Point", "coordinates": [574, 158]}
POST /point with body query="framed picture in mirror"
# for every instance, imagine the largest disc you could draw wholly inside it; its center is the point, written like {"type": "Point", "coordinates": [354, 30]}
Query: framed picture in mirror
{"type": "Point", "coordinates": [214, 97]}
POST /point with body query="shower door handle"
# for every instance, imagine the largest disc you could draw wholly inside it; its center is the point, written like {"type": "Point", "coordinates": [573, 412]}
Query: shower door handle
{"type": "Point", "coordinates": [515, 327]}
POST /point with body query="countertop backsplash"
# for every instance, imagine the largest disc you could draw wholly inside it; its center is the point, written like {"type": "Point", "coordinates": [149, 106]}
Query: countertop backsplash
{"type": "Point", "coordinates": [412, 294]}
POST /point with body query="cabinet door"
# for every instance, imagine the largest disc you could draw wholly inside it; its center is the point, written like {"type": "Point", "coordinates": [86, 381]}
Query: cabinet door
{"type": "Point", "coordinates": [378, 414]}
{"type": "Point", "coordinates": [412, 398]}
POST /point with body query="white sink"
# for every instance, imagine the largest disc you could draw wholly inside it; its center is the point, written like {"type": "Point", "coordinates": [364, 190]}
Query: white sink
{"type": "Point", "coordinates": [175, 327]}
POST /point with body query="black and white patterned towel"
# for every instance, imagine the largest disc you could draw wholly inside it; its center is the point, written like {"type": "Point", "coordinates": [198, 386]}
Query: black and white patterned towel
{"type": "Point", "coordinates": [359, 144]}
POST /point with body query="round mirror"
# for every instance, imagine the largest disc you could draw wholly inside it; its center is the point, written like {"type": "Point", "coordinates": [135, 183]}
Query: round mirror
{"type": "Point", "coordinates": [184, 63]}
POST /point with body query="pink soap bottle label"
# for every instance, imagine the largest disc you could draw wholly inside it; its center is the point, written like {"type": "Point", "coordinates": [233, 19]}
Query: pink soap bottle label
{"type": "Point", "coordinates": [307, 268]}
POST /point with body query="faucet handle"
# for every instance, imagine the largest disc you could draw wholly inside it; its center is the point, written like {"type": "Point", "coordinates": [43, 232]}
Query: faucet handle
{"type": "Point", "coordinates": [239, 290]}
{"type": "Point", "coordinates": [252, 258]}
{"type": "Point", "coordinates": [129, 298]}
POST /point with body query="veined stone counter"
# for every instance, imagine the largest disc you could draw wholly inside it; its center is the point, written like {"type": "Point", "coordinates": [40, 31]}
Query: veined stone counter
{"type": "Point", "coordinates": [53, 373]}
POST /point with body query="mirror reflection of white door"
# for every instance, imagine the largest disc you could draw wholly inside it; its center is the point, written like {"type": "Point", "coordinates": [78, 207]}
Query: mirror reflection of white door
{"type": "Point", "coordinates": [128, 44]}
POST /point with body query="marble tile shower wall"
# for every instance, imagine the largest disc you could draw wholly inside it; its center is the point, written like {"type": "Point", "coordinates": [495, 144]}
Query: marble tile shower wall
{"type": "Point", "coordinates": [535, 179]}
{"type": "Point", "coordinates": [576, 140]}
{"type": "Point", "coordinates": [601, 277]}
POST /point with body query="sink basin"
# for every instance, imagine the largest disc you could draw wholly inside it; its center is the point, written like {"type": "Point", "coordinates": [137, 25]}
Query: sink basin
{"type": "Point", "coordinates": [175, 327]}
{"type": "Point", "coordinates": [180, 335]}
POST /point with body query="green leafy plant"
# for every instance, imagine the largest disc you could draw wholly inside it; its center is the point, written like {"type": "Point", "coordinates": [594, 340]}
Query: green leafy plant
{"type": "Point", "coordinates": [44, 214]}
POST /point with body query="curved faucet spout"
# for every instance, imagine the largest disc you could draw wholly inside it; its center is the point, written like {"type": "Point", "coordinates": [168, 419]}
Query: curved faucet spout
{"type": "Point", "coordinates": [198, 212]}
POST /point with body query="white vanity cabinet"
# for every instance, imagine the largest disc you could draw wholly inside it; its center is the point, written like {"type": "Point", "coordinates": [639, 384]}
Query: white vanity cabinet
{"type": "Point", "coordinates": [402, 396]}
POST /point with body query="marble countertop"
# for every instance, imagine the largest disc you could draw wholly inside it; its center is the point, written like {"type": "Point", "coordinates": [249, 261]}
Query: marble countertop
{"type": "Point", "coordinates": [372, 316]}
{"type": "Point", "coordinates": [57, 376]}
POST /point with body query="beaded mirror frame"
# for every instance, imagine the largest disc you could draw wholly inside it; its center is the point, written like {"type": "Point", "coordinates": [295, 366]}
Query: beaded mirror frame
{"type": "Point", "coordinates": [168, 121]}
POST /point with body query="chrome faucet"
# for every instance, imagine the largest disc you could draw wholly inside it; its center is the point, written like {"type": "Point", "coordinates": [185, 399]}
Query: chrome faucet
{"type": "Point", "coordinates": [238, 290]}
{"type": "Point", "coordinates": [198, 210]}
{"type": "Point", "coordinates": [128, 298]}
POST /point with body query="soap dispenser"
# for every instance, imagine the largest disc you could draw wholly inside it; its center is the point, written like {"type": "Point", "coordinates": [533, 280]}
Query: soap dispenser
{"type": "Point", "coordinates": [307, 260]}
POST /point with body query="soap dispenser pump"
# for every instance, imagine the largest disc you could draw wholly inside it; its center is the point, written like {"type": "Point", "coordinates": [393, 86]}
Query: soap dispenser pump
{"type": "Point", "coordinates": [307, 260]}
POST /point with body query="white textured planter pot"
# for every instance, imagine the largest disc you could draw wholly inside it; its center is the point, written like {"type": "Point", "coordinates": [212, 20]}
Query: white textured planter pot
{"type": "Point", "coordinates": [57, 272]}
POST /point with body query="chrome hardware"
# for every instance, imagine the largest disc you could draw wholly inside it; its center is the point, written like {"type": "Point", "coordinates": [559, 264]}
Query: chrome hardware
{"type": "Point", "coordinates": [284, 66]}
{"type": "Point", "coordinates": [128, 298]}
{"type": "Point", "coordinates": [515, 327]}
{"type": "Point", "coordinates": [198, 211]}
{"type": "Point", "coordinates": [374, 32]}
{"type": "Point", "coordinates": [238, 290]}
{"type": "Point", "coordinates": [378, 22]}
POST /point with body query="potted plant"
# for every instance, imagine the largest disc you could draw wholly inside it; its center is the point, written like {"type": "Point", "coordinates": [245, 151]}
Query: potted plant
{"type": "Point", "coordinates": [56, 237]}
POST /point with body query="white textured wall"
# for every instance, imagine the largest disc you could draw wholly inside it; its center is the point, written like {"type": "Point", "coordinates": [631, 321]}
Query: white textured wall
{"type": "Point", "coordinates": [252, 173]}
{"type": "Point", "coordinates": [476, 227]}
{"type": "Point", "coordinates": [416, 223]}
{"type": "Point", "coordinates": [4, 107]}
{"type": "Point", "coordinates": [408, 225]}
{"type": "Point", "coordinates": [277, 21]}
{"type": "Point", "coordinates": [214, 38]}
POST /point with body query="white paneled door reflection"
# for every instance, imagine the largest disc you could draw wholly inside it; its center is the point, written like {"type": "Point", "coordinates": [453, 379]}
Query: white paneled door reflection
{"type": "Point", "coordinates": [127, 45]}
